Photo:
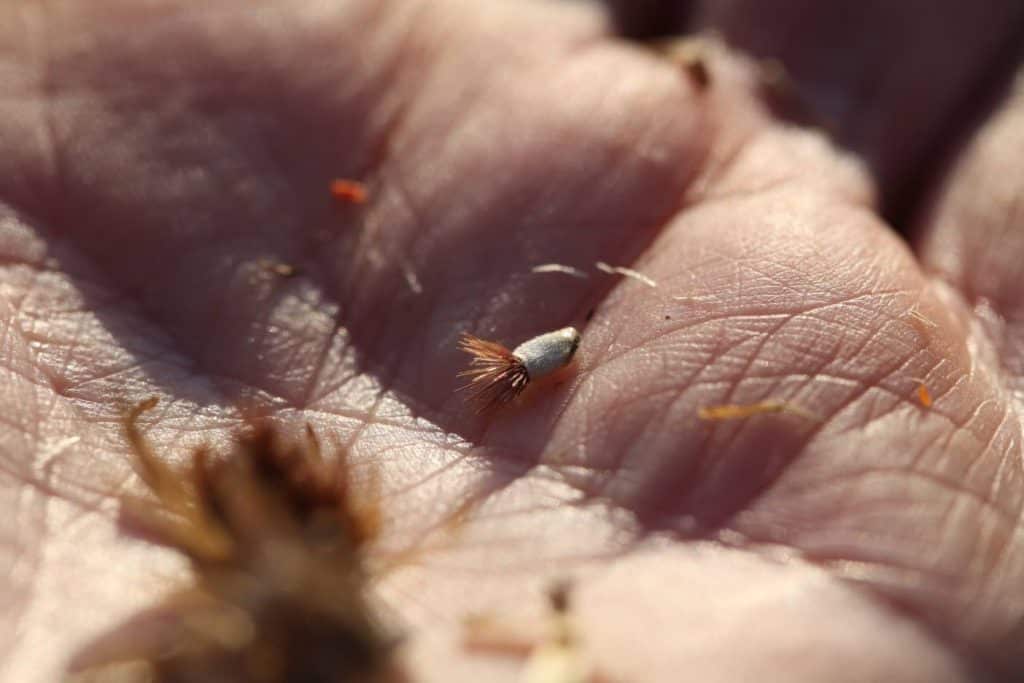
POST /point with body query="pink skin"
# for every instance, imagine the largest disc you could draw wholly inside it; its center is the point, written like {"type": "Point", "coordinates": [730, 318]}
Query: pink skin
{"type": "Point", "coordinates": [151, 153]}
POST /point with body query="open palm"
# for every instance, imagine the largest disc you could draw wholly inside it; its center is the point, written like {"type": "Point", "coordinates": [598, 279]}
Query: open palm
{"type": "Point", "coordinates": [157, 158]}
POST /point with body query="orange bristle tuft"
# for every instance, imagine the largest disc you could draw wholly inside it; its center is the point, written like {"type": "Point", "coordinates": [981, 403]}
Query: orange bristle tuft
{"type": "Point", "coordinates": [497, 376]}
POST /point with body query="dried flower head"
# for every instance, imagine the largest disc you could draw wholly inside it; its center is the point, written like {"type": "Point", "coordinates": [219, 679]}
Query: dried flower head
{"type": "Point", "coordinates": [498, 376]}
{"type": "Point", "coordinates": [276, 542]}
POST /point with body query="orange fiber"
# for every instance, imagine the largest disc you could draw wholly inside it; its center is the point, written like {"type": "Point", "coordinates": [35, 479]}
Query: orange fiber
{"type": "Point", "coordinates": [924, 395]}
{"type": "Point", "coordinates": [348, 191]}
{"type": "Point", "coordinates": [732, 411]}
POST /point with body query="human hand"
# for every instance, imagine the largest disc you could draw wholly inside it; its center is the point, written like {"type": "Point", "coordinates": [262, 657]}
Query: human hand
{"type": "Point", "coordinates": [157, 156]}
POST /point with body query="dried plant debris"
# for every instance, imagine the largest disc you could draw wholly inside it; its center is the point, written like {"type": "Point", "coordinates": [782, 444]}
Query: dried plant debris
{"type": "Point", "coordinates": [696, 67]}
{"type": "Point", "coordinates": [559, 659]}
{"type": "Point", "coordinates": [497, 375]}
{"type": "Point", "coordinates": [737, 411]}
{"type": "Point", "coordinates": [347, 191]}
{"type": "Point", "coordinates": [560, 268]}
{"type": "Point", "coordinates": [691, 54]}
{"type": "Point", "coordinates": [627, 272]}
{"type": "Point", "coordinates": [276, 538]}
{"type": "Point", "coordinates": [923, 395]}
{"type": "Point", "coordinates": [922, 323]}
{"type": "Point", "coordinates": [491, 635]}
{"type": "Point", "coordinates": [552, 654]}
{"type": "Point", "coordinates": [279, 268]}
{"type": "Point", "coordinates": [412, 279]}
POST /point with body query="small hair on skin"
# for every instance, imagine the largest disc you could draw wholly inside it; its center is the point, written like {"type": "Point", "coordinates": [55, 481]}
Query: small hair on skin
{"type": "Point", "coordinates": [276, 539]}
{"type": "Point", "coordinates": [497, 376]}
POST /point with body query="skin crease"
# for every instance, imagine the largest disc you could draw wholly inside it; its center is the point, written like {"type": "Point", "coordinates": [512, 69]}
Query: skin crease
{"type": "Point", "coordinates": [152, 153]}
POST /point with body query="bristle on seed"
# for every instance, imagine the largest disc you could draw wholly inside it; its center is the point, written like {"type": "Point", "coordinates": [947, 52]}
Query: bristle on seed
{"type": "Point", "coordinates": [496, 375]}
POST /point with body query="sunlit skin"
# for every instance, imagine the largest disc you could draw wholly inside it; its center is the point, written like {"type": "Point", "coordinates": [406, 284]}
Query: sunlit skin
{"type": "Point", "coordinates": [156, 156]}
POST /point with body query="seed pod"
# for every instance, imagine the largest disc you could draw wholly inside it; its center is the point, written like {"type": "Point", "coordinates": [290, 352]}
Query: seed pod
{"type": "Point", "coordinates": [498, 376]}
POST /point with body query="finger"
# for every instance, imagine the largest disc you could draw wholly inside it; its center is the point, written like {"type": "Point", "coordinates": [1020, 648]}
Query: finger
{"type": "Point", "coordinates": [774, 307]}
{"type": "Point", "coordinates": [970, 235]}
{"type": "Point", "coordinates": [894, 82]}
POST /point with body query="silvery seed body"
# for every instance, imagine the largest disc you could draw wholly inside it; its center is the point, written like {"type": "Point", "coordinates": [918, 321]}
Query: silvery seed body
{"type": "Point", "coordinates": [544, 354]}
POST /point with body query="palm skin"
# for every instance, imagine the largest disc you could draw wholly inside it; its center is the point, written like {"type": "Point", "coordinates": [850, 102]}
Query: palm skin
{"type": "Point", "coordinates": [156, 155]}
